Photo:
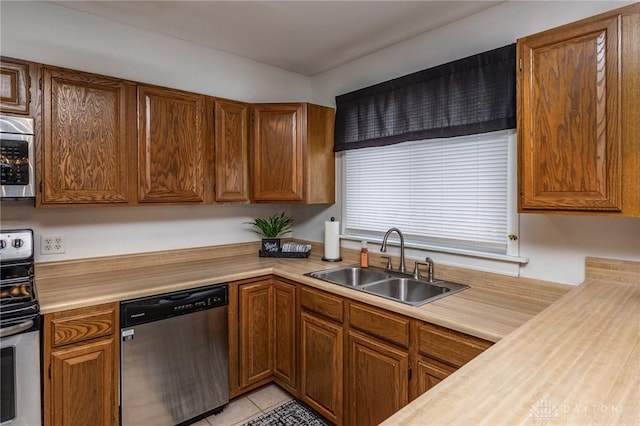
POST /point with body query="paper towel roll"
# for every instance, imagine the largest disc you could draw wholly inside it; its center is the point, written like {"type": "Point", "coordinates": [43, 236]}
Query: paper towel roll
{"type": "Point", "coordinates": [332, 241]}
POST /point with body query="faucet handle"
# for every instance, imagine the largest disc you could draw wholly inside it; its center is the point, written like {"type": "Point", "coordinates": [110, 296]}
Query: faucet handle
{"type": "Point", "coordinates": [389, 266]}
{"type": "Point", "coordinates": [430, 263]}
{"type": "Point", "coordinates": [416, 270]}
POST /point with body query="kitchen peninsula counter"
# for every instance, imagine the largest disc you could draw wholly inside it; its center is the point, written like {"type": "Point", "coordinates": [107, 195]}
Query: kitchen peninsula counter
{"type": "Point", "coordinates": [576, 363]}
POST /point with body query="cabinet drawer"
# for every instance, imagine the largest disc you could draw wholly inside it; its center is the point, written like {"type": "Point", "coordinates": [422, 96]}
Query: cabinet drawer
{"type": "Point", "coordinates": [82, 324]}
{"type": "Point", "coordinates": [321, 303]}
{"type": "Point", "coordinates": [450, 346]}
{"type": "Point", "coordinates": [380, 323]}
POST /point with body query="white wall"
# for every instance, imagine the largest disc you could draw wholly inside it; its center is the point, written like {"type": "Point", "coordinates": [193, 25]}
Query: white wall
{"type": "Point", "coordinates": [55, 35]}
{"type": "Point", "coordinates": [92, 232]}
{"type": "Point", "coordinates": [43, 32]}
{"type": "Point", "coordinates": [555, 245]}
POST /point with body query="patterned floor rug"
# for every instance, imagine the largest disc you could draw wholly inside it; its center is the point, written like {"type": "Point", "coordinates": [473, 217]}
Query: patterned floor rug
{"type": "Point", "coordinates": [290, 414]}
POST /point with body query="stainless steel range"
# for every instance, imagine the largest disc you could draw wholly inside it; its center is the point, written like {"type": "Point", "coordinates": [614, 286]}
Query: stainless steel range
{"type": "Point", "coordinates": [19, 332]}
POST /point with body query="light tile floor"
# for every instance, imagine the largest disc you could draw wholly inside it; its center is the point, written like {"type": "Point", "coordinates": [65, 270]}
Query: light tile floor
{"type": "Point", "coordinates": [255, 404]}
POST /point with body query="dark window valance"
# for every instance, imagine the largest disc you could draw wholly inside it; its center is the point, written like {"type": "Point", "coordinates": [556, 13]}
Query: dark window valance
{"type": "Point", "coordinates": [473, 95]}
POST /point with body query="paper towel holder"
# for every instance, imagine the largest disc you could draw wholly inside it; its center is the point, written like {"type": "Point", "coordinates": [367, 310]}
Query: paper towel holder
{"type": "Point", "coordinates": [338, 259]}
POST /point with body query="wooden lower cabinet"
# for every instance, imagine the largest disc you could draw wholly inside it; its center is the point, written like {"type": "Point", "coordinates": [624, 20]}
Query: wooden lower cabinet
{"type": "Point", "coordinates": [256, 332]}
{"type": "Point", "coordinates": [263, 334]}
{"type": "Point", "coordinates": [351, 362]}
{"type": "Point", "coordinates": [430, 372]}
{"type": "Point", "coordinates": [442, 352]}
{"type": "Point", "coordinates": [321, 379]}
{"type": "Point", "coordinates": [450, 346]}
{"type": "Point", "coordinates": [377, 380]}
{"type": "Point", "coordinates": [284, 332]}
{"type": "Point", "coordinates": [82, 384]}
{"type": "Point", "coordinates": [81, 367]}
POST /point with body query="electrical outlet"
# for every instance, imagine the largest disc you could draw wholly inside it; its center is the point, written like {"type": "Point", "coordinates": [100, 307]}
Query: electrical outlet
{"type": "Point", "coordinates": [52, 244]}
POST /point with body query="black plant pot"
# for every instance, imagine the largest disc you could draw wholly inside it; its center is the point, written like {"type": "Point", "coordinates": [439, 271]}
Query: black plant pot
{"type": "Point", "coordinates": [270, 245]}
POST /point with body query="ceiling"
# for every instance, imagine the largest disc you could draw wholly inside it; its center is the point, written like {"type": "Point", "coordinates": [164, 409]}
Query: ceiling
{"type": "Point", "coordinates": [306, 37]}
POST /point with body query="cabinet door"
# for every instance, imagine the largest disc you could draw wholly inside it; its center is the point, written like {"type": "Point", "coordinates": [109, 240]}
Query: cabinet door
{"type": "Point", "coordinates": [81, 365]}
{"type": "Point", "coordinates": [430, 373]}
{"type": "Point", "coordinates": [570, 143]}
{"type": "Point", "coordinates": [232, 151]}
{"type": "Point", "coordinates": [84, 150]}
{"type": "Point", "coordinates": [256, 332]}
{"type": "Point", "coordinates": [377, 380]}
{"type": "Point", "coordinates": [83, 390]}
{"type": "Point", "coordinates": [14, 86]}
{"type": "Point", "coordinates": [321, 360]}
{"type": "Point", "coordinates": [284, 358]}
{"type": "Point", "coordinates": [278, 167]}
{"type": "Point", "coordinates": [171, 145]}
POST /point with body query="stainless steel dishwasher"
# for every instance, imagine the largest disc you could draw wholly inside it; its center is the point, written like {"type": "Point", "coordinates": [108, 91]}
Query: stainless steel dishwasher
{"type": "Point", "coordinates": [174, 357]}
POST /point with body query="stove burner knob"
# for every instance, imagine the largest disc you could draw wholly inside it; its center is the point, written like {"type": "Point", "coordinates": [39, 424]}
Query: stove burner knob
{"type": "Point", "coordinates": [17, 243]}
{"type": "Point", "coordinates": [3, 244]}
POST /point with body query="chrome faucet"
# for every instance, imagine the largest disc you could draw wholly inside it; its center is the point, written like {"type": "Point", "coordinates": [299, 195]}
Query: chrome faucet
{"type": "Point", "coordinates": [402, 267]}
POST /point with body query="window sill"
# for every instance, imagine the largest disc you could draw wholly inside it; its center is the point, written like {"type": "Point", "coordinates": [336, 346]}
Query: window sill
{"type": "Point", "coordinates": [439, 249]}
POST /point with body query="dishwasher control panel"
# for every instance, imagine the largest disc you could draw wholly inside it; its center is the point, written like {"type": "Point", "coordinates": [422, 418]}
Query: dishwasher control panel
{"type": "Point", "coordinates": [209, 302]}
{"type": "Point", "coordinates": [167, 305]}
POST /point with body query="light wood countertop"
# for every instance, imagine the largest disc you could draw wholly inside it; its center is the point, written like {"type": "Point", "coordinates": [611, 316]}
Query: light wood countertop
{"type": "Point", "coordinates": [493, 307]}
{"type": "Point", "coordinates": [576, 363]}
{"type": "Point", "coordinates": [565, 355]}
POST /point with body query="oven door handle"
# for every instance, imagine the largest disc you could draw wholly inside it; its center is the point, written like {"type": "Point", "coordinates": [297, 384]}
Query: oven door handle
{"type": "Point", "coordinates": [15, 329]}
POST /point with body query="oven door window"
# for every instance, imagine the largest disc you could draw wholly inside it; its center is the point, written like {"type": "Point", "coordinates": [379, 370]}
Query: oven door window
{"type": "Point", "coordinates": [8, 384]}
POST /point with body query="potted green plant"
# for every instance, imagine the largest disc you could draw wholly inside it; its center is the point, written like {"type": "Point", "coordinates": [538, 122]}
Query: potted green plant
{"type": "Point", "coordinates": [271, 229]}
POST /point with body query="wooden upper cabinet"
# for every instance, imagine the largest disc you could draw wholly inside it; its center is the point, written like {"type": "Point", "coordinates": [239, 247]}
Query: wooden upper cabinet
{"type": "Point", "coordinates": [278, 153]}
{"type": "Point", "coordinates": [231, 151]}
{"type": "Point", "coordinates": [292, 153]}
{"type": "Point", "coordinates": [84, 158]}
{"type": "Point", "coordinates": [171, 145]}
{"type": "Point", "coordinates": [14, 86]}
{"type": "Point", "coordinates": [578, 91]}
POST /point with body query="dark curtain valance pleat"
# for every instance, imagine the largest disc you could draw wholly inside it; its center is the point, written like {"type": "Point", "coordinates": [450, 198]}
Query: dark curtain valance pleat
{"type": "Point", "coordinates": [473, 95]}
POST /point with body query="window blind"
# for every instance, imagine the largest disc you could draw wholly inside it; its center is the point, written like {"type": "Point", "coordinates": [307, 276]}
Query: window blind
{"type": "Point", "coordinates": [448, 192]}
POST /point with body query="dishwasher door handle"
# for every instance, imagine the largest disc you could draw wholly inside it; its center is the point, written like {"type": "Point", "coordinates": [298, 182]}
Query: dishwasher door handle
{"type": "Point", "coordinates": [178, 297]}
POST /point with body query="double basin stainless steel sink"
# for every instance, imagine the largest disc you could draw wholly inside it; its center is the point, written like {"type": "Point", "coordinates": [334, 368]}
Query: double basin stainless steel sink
{"type": "Point", "coordinates": [389, 284]}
